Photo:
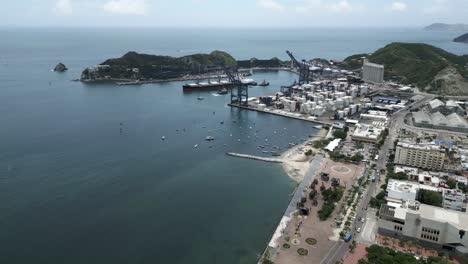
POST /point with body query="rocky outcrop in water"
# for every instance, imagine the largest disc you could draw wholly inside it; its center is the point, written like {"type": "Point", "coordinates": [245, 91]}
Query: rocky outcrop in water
{"type": "Point", "coordinates": [60, 67]}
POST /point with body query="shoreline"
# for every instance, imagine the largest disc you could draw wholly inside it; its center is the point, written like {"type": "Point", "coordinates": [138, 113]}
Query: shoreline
{"type": "Point", "coordinates": [121, 82]}
{"type": "Point", "coordinates": [295, 162]}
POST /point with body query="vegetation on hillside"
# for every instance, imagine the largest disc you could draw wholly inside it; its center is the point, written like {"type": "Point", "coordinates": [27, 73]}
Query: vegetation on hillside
{"type": "Point", "coordinates": [463, 38]}
{"type": "Point", "coordinates": [160, 67]}
{"type": "Point", "coordinates": [412, 63]}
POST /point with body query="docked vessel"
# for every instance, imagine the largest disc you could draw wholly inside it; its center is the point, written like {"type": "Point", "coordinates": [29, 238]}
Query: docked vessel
{"type": "Point", "coordinates": [223, 91]}
{"type": "Point", "coordinates": [264, 83]}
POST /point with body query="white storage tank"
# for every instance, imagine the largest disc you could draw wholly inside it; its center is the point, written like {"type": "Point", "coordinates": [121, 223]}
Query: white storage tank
{"type": "Point", "coordinates": [341, 114]}
{"type": "Point", "coordinates": [346, 111]}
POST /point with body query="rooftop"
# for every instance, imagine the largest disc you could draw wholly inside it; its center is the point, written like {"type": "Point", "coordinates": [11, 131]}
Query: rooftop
{"type": "Point", "coordinates": [367, 131]}
{"type": "Point", "coordinates": [456, 218]}
{"type": "Point", "coordinates": [373, 65]}
{"type": "Point", "coordinates": [436, 103]}
{"type": "Point", "coordinates": [429, 146]}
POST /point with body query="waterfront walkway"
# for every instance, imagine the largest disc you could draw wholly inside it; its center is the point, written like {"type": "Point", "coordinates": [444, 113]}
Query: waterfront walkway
{"type": "Point", "coordinates": [246, 156]}
{"type": "Point", "coordinates": [300, 192]}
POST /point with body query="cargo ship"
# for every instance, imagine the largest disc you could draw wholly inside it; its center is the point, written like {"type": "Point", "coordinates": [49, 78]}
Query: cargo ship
{"type": "Point", "coordinates": [214, 85]}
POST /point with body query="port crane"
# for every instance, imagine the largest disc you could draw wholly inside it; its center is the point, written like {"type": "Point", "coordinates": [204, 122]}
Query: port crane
{"type": "Point", "coordinates": [239, 89]}
{"type": "Point", "coordinates": [305, 75]}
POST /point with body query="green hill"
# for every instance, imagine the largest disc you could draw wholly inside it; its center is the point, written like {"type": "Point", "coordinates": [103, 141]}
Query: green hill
{"type": "Point", "coordinates": [423, 65]}
{"type": "Point", "coordinates": [463, 38]}
{"type": "Point", "coordinates": [143, 66]}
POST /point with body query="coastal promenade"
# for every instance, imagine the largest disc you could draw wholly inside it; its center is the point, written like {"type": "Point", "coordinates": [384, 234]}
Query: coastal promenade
{"type": "Point", "coordinates": [300, 192]}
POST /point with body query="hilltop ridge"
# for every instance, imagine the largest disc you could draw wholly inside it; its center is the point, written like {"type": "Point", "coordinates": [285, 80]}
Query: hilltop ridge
{"type": "Point", "coordinates": [430, 68]}
{"type": "Point", "coordinates": [446, 27]}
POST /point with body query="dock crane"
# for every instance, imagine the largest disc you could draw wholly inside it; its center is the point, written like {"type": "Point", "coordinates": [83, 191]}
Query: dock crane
{"type": "Point", "coordinates": [304, 69]}
{"type": "Point", "coordinates": [239, 90]}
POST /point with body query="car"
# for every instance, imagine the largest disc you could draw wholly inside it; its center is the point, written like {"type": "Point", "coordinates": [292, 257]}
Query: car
{"type": "Point", "coordinates": [363, 220]}
{"type": "Point", "coordinates": [359, 219]}
{"type": "Point", "coordinates": [358, 229]}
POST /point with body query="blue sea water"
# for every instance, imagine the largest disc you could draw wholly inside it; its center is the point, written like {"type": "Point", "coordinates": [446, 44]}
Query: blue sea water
{"type": "Point", "coordinates": [86, 178]}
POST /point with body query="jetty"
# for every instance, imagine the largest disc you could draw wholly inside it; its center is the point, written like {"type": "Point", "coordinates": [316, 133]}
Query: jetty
{"type": "Point", "coordinates": [280, 113]}
{"type": "Point", "coordinates": [252, 157]}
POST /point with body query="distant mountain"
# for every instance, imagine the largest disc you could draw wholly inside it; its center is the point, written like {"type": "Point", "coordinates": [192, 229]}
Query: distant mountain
{"type": "Point", "coordinates": [447, 27]}
{"type": "Point", "coordinates": [463, 38]}
{"type": "Point", "coordinates": [431, 69]}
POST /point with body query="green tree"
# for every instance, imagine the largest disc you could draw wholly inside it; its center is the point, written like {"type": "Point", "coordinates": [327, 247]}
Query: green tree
{"type": "Point", "coordinates": [340, 133]}
{"type": "Point", "coordinates": [430, 197]}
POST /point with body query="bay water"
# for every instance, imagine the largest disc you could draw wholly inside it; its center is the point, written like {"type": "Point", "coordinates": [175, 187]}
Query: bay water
{"type": "Point", "coordinates": [85, 176]}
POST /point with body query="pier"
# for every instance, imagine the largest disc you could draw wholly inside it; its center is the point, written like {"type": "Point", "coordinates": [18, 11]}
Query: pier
{"type": "Point", "coordinates": [293, 116]}
{"type": "Point", "coordinates": [252, 157]}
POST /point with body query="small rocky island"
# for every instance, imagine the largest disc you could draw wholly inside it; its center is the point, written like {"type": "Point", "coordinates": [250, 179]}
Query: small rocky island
{"type": "Point", "coordinates": [134, 67]}
{"type": "Point", "coordinates": [462, 39]}
{"type": "Point", "coordinates": [60, 67]}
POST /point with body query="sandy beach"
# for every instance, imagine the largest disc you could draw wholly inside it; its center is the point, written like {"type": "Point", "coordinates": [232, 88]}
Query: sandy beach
{"type": "Point", "coordinates": [295, 162]}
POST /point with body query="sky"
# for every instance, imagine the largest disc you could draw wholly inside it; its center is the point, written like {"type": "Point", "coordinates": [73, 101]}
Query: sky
{"type": "Point", "coordinates": [231, 13]}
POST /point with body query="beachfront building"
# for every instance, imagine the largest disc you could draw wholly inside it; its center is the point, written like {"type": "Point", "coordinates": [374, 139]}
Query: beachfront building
{"type": "Point", "coordinates": [372, 72]}
{"type": "Point", "coordinates": [426, 156]}
{"type": "Point", "coordinates": [429, 225]}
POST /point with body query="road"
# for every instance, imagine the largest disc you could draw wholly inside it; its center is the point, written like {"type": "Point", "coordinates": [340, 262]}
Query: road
{"type": "Point", "coordinates": [368, 228]}
{"type": "Point", "coordinates": [341, 248]}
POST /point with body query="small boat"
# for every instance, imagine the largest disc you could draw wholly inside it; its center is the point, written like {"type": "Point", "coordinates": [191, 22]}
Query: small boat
{"type": "Point", "coordinates": [265, 151]}
{"type": "Point", "coordinates": [253, 84]}
{"type": "Point", "coordinates": [209, 138]}
{"type": "Point", "coordinates": [261, 146]}
{"type": "Point", "coordinates": [275, 154]}
{"type": "Point", "coordinates": [199, 98]}
{"type": "Point", "coordinates": [196, 146]}
{"type": "Point", "coordinates": [264, 83]}
{"type": "Point", "coordinates": [223, 91]}
{"type": "Point", "coordinates": [163, 138]}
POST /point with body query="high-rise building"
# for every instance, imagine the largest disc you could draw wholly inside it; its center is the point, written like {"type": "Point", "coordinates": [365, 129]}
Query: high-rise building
{"type": "Point", "coordinates": [372, 72]}
{"type": "Point", "coordinates": [424, 156]}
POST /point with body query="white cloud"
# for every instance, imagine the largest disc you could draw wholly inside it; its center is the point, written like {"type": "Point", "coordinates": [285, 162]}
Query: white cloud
{"type": "Point", "coordinates": [63, 7]}
{"type": "Point", "coordinates": [399, 6]}
{"type": "Point", "coordinates": [341, 7]}
{"type": "Point", "coordinates": [270, 5]}
{"type": "Point", "coordinates": [319, 6]}
{"type": "Point", "coordinates": [126, 7]}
